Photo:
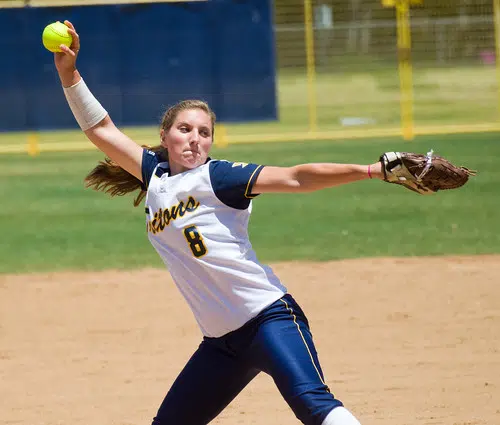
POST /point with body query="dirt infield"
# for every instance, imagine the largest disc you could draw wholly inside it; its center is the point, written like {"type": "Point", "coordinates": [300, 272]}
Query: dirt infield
{"type": "Point", "coordinates": [401, 341]}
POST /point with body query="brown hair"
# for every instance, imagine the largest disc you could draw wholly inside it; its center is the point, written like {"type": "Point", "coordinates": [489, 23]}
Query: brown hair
{"type": "Point", "coordinates": [110, 178]}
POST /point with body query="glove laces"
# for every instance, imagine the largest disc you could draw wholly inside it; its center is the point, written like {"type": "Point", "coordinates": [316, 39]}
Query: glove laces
{"type": "Point", "coordinates": [427, 167]}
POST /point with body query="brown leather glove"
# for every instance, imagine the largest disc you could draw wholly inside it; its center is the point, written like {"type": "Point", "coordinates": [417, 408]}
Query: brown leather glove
{"type": "Point", "coordinates": [423, 174]}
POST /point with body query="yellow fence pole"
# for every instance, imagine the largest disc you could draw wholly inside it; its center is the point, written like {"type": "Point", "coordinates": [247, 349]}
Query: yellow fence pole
{"type": "Point", "coordinates": [311, 66]}
{"type": "Point", "coordinates": [221, 139]}
{"type": "Point", "coordinates": [404, 63]}
{"type": "Point", "coordinates": [496, 9]}
{"type": "Point", "coordinates": [33, 145]}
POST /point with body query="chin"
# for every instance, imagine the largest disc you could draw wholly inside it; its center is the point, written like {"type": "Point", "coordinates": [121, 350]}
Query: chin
{"type": "Point", "coordinates": [193, 164]}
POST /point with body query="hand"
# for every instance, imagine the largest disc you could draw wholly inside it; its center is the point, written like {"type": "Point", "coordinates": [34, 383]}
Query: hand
{"type": "Point", "coordinates": [423, 174]}
{"type": "Point", "coordinates": [65, 61]}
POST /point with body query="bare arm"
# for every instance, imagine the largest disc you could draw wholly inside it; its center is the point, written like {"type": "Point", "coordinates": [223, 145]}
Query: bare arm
{"type": "Point", "coordinates": [117, 146]}
{"type": "Point", "coordinates": [105, 135]}
{"type": "Point", "coordinates": [311, 177]}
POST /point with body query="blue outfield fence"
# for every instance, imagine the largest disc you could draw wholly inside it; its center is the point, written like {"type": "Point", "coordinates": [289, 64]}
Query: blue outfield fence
{"type": "Point", "coordinates": [138, 59]}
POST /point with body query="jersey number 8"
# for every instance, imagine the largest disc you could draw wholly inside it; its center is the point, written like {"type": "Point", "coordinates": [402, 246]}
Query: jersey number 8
{"type": "Point", "coordinates": [195, 241]}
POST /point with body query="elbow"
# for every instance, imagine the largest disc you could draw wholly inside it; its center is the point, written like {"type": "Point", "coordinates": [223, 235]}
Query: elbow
{"type": "Point", "coordinates": [103, 125]}
{"type": "Point", "coordinates": [303, 187]}
{"type": "Point", "coordinates": [302, 180]}
{"type": "Point", "coordinates": [106, 122]}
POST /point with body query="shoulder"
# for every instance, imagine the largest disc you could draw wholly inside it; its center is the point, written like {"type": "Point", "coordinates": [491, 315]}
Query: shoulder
{"type": "Point", "coordinates": [232, 182]}
{"type": "Point", "coordinates": [150, 160]}
{"type": "Point", "coordinates": [222, 166]}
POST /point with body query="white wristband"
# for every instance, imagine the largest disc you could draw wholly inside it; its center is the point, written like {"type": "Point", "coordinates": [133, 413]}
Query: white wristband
{"type": "Point", "coordinates": [85, 107]}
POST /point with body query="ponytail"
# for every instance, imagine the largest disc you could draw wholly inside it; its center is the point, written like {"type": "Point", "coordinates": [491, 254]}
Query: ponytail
{"type": "Point", "coordinates": [110, 178]}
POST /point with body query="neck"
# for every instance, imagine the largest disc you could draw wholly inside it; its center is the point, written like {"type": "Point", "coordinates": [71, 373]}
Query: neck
{"type": "Point", "coordinates": [178, 169]}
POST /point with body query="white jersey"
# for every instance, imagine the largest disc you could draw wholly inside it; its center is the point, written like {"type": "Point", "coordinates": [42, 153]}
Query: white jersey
{"type": "Point", "coordinates": [197, 221]}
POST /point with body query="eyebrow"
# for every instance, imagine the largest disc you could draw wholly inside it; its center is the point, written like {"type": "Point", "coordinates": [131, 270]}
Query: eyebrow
{"type": "Point", "coordinates": [180, 123]}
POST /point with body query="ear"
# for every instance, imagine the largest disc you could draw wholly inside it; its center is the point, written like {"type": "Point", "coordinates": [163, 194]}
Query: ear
{"type": "Point", "coordinates": [162, 137]}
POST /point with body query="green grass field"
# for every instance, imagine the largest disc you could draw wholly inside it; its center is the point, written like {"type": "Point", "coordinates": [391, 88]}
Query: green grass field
{"type": "Point", "coordinates": [50, 222]}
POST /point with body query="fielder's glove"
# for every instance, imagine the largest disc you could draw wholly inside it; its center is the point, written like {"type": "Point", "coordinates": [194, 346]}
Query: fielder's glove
{"type": "Point", "coordinates": [423, 174]}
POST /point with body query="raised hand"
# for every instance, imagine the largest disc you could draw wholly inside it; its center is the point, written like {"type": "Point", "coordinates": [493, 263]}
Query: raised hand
{"type": "Point", "coordinates": [65, 61]}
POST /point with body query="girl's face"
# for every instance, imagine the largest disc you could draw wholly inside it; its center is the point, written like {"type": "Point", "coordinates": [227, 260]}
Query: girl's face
{"type": "Point", "coordinates": [188, 141]}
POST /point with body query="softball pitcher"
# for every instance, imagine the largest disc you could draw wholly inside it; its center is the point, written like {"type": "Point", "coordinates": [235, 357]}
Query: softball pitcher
{"type": "Point", "coordinates": [197, 211]}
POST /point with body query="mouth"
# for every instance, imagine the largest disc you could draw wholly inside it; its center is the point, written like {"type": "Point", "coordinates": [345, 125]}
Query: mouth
{"type": "Point", "coordinates": [191, 154]}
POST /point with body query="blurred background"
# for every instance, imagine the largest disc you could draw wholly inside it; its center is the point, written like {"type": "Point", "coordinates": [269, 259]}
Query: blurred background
{"type": "Point", "coordinates": [337, 80]}
{"type": "Point", "coordinates": [272, 70]}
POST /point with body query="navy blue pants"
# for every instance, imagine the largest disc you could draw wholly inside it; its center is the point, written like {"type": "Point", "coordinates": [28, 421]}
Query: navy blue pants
{"type": "Point", "coordinates": [277, 342]}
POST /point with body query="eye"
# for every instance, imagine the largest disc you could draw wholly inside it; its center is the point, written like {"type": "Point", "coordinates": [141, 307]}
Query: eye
{"type": "Point", "coordinates": [205, 132]}
{"type": "Point", "coordinates": [183, 129]}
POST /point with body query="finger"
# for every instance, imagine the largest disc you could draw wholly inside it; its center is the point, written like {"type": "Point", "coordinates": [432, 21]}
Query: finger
{"type": "Point", "coordinates": [65, 49]}
{"type": "Point", "coordinates": [69, 24]}
{"type": "Point", "coordinates": [75, 44]}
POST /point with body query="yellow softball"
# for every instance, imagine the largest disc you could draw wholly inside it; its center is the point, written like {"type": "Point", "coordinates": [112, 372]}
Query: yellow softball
{"type": "Point", "coordinates": [54, 35]}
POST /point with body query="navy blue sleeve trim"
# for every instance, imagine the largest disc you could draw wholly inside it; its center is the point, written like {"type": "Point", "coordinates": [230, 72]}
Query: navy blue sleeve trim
{"type": "Point", "coordinates": [149, 163]}
{"type": "Point", "coordinates": [232, 182]}
{"type": "Point", "coordinates": [251, 182]}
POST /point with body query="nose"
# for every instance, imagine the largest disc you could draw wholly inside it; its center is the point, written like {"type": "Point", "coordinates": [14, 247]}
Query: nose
{"type": "Point", "coordinates": [195, 137]}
